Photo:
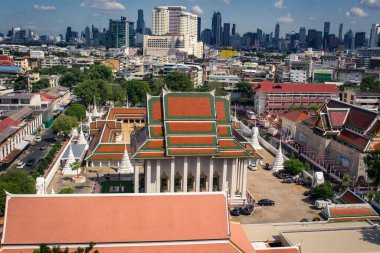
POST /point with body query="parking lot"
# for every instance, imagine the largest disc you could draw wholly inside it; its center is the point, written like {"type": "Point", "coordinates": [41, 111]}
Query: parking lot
{"type": "Point", "coordinates": [290, 204]}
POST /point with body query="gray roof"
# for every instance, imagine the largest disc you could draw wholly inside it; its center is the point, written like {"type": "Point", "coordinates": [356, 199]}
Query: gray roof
{"type": "Point", "coordinates": [20, 114]}
{"type": "Point", "coordinates": [18, 95]}
{"type": "Point", "coordinates": [78, 150]}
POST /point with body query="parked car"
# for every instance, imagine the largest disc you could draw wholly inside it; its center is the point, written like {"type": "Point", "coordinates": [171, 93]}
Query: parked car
{"type": "Point", "coordinates": [252, 167]}
{"type": "Point", "coordinates": [38, 138]}
{"type": "Point", "coordinates": [265, 202]}
{"type": "Point", "coordinates": [30, 162]}
{"type": "Point", "coordinates": [20, 165]}
{"type": "Point", "coordinates": [267, 166]}
{"type": "Point", "coordinates": [247, 210]}
{"type": "Point", "coordinates": [236, 211]}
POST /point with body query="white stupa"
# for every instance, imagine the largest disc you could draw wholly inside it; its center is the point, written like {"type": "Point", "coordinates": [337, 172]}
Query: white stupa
{"type": "Point", "coordinates": [67, 170]}
{"type": "Point", "coordinates": [255, 141]}
{"type": "Point", "coordinates": [126, 165]}
{"type": "Point", "coordinates": [278, 163]}
{"type": "Point", "coordinates": [95, 112]}
{"type": "Point", "coordinates": [81, 139]}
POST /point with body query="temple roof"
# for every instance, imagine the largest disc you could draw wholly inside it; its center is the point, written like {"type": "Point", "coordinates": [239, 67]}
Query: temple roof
{"type": "Point", "coordinates": [186, 124]}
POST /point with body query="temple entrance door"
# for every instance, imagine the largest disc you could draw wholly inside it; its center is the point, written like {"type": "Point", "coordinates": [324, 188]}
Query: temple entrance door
{"type": "Point", "coordinates": [164, 183]}
{"type": "Point", "coordinates": [178, 183]}
{"type": "Point", "coordinates": [215, 182]}
{"type": "Point", "coordinates": [203, 182]}
{"type": "Point", "coordinates": [190, 182]}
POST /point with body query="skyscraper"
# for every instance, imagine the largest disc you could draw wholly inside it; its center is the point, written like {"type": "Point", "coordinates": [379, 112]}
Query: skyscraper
{"type": "Point", "coordinates": [120, 33]}
{"type": "Point", "coordinates": [259, 33]}
{"type": "Point", "coordinates": [277, 36]}
{"type": "Point", "coordinates": [302, 35]}
{"type": "Point", "coordinates": [326, 33]}
{"type": "Point", "coordinates": [140, 24]}
{"type": "Point", "coordinates": [360, 39]}
{"type": "Point", "coordinates": [226, 34]}
{"type": "Point", "coordinates": [87, 37]}
{"type": "Point", "coordinates": [341, 33]}
{"type": "Point", "coordinates": [375, 36]}
{"type": "Point", "coordinates": [206, 36]}
{"type": "Point", "coordinates": [199, 26]}
{"type": "Point", "coordinates": [68, 34]}
{"type": "Point", "coordinates": [233, 29]}
{"type": "Point", "coordinates": [349, 40]}
{"type": "Point", "coordinates": [216, 28]}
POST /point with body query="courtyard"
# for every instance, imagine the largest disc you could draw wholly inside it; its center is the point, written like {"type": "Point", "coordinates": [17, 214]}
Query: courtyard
{"type": "Point", "coordinates": [290, 204]}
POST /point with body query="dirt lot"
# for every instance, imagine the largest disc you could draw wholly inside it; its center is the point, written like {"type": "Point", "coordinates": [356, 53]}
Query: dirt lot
{"type": "Point", "coordinates": [291, 205]}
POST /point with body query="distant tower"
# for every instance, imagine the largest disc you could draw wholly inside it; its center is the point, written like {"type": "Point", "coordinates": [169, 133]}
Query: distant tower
{"type": "Point", "coordinates": [341, 33]}
{"type": "Point", "coordinates": [140, 24]}
{"type": "Point", "coordinates": [233, 29]}
{"type": "Point", "coordinates": [226, 34]}
{"type": "Point", "coordinates": [199, 28]}
{"type": "Point", "coordinates": [326, 33]}
{"type": "Point", "coordinates": [216, 28]}
{"type": "Point", "coordinates": [277, 36]}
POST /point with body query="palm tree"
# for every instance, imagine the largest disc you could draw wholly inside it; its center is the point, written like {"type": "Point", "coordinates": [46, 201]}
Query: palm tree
{"type": "Point", "coordinates": [75, 166]}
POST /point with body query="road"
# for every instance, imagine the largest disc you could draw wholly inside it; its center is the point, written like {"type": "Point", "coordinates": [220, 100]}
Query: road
{"type": "Point", "coordinates": [37, 151]}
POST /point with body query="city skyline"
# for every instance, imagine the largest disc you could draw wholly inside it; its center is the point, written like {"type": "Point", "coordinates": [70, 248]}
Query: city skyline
{"type": "Point", "coordinates": [52, 17]}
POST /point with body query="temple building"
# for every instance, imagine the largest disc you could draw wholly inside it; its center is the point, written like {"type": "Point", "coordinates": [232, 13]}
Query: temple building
{"type": "Point", "coordinates": [190, 144]}
{"type": "Point", "coordinates": [110, 136]}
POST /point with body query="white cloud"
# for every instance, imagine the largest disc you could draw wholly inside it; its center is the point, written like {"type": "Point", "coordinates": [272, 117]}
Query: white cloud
{"type": "Point", "coordinates": [105, 5]}
{"type": "Point", "coordinates": [197, 10]}
{"type": "Point", "coordinates": [313, 18]}
{"type": "Point", "coordinates": [44, 7]}
{"type": "Point", "coordinates": [279, 4]}
{"type": "Point", "coordinates": [371, 3]}
{"type": "Point", "coordinates": [226, 1]}
{"type": "Point", "coordinates": [288, 19]}
{"type": "Point", "coordinates": [356, 12]}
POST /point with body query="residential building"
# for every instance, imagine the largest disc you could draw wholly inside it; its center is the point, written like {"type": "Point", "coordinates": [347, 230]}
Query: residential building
{"type": "Point", "coordinates": [366, 100]}
{"type": "Point", "coordinates": [271, 96]}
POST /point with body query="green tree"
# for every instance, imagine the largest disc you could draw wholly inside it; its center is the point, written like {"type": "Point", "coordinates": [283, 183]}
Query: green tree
{"type": "Point", "coordinates": [370, 83]}
{"type": "Point", "coordinates": [218, 87]}
{"type": "Point", "coordinates": [56, 249]}
{"type": "Point", "coordinates": [346, 181]}
{"type": "Point", "coordinates": [246, 92]}
{"type": "Point", "coordinates": [324, 190]}
{"type": "Point", "coordinates": [294, 167]}
{"type": "Point", "coordinates": [98, 72]}
{"type": "Point", "coordinates": [118, 94]}
{"type": "Point", "coordinates": [21, 83]}
{"type": "Point", "coordinates": [64, 124]}
{"type": "Point", "coordinates": [76, 110]}
{"type": "Point", "coordinates": [156, 86]}
{"type": "Point", "coordinates": [100, 89]}
{"type": "Point", "coordinates": [70, 79]}
{"type": "Point", "coordinates": [372, 161]}
{"type": "Point", "coordinates": [177, 81]}
{"type": "Point", "coordinates": [76, 166]}
{"type": "Point", "coordinates": [136, 91]}
{"type": "Point", "coordinates": [66, 191]}
{"type": "Point", "coordinates": [41, 84]}
{"type": "Point", "coordinates": [15, 181]}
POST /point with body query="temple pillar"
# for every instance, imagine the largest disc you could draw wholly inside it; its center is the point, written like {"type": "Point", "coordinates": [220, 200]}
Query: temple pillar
{"type": "Point", "coordinates": [224, 175]}
{"type": "Point", "coordinates": [185, 172]}
{"type": "Point", "coordinates": [172, 164]}
{"type": "Point", "coordinates": [244, 177]}
{"type": "Point", "coordinates": [147, 176]}
{"type": "Point", "coordinates": [158, 176]}
{"type": "Point", "coordinates": [211, 175]}
{"type": "Point", "coordinates": [198, 175]}
{"type": "Point", "coordinates": [137, 179]}
{"type": "Point", "coordinates": [233, 178]}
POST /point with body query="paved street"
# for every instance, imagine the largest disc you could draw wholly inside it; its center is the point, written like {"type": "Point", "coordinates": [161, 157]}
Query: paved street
{"type": "Point", "coordinates": [290, 204]}
{"type": "Point", "coordinates": [35, 152]}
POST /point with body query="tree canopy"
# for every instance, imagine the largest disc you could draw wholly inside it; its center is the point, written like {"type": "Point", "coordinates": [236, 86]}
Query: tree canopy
{"type": "Point", "coordinates": [324, 190]}
{"type": "Point", "coordinates": [15, 181]}
{"type": "Point", "coordinates": [21, 83]}
{"type": "Point", "coordinates": [372, 161]}
{"type": "Point", "coordinates": [136, 91]}
{"type": "Point", "coordinates": [40, 84]}
{"type": "Point", "coordinates": [64, 124]}
{"type": "Point", "coordinates": [66, 191]}
{"type": "Point", "coordinates": [76, 110]}
{"type": "Point", "coordinates": [177, 81]}
{"type": "Point", "coordinates": [370, 84]}
{"type": "Point", "coordinates": [89, 89]}
{"type": "Point", "coordinates": [46, 249]}
{"type": "Point", "coordinates": [294, 166]}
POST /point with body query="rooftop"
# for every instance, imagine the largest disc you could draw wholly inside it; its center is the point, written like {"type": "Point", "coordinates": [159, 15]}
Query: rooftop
{"type": "Point", "coordinates": [268, 86]}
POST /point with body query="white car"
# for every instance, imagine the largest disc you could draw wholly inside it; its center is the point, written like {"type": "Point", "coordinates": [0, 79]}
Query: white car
{"type": "Point", "coordinates": [252, 166]}
{"type": "Point", "coordinates": [38, 138]}
{"type": "Point", "coordinates": [20, 165]}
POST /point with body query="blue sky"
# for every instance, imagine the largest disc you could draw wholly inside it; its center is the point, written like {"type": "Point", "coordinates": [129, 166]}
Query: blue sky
{"type": "Point", "coordinates": [53, 16]}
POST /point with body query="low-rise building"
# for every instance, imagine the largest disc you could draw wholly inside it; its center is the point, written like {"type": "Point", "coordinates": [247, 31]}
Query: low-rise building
{"type": "Point", "coordinates": [366, 100]}
{"type": "Point", "coordinates": [271, 96]}
{"type": "Point", "coordinates": [289, 121]}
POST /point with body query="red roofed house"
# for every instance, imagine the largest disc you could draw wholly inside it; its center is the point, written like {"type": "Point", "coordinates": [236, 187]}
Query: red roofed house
{"type": "Point", "coordinates": [289, 121]}
{"type": "Point", "coordinates": [188, 145]}
{"type": "Point", "coordinates": [271, 96]}
{"type": "Point", "coordinates": [6, 60]}
{"type": "Point", "coordinates": [121, 223]}
{"type": "Point", "coordinates": [344, 133]}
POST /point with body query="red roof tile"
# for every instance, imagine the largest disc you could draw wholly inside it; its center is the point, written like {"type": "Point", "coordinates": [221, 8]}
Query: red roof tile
{"type": "Point", "coordinates": [267, 86]}
{"type": "Point", "coordinates": [354, 139]}
{"type": "Point", "coordinates": [295, 116]}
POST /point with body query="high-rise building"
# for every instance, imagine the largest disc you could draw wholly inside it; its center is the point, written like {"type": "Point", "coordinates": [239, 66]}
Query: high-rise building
{"type": "Point", "coordinates": [259, 33]}
{"type": "Point", "coordinates": [318, 40]}
{"type": "Point", "coordinates": [206, 36]}
{"type": "Point", "coordinates": [233, 29]}
{"type": "Point", "coordinates": [360, 40]}
{"type": "Point", "coordinates": [341, 33]}
{"type": "Point", "coordinates": [87, 37]}
{"type": "Point", "coordinates": [311, 35]}
{"type": "Point", "coordinates": [277, 36]}
{"type": "Point", "coordinates": [226, 34]}
{"type": "Point", "coordinates": [175, 21]}
{"type": "Point", "coordinates": [375, 36]}
{"type": "Point", "coordinates": [349, 39]}
{"type": "Point", "coordinates": [216, 28]}
{"type": "Point", "coordinates": [199, 28]}
{"type": "Point", "coordinates": [302, 37]}
{"type": "Point", "coordinates": [120, 33]}
{"type": "Point", "coordinates": [68, 34]}
{"type": "Point", "coordinates": [140, 24]}
{"type": "Point", "coordinates": [326, 33]}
